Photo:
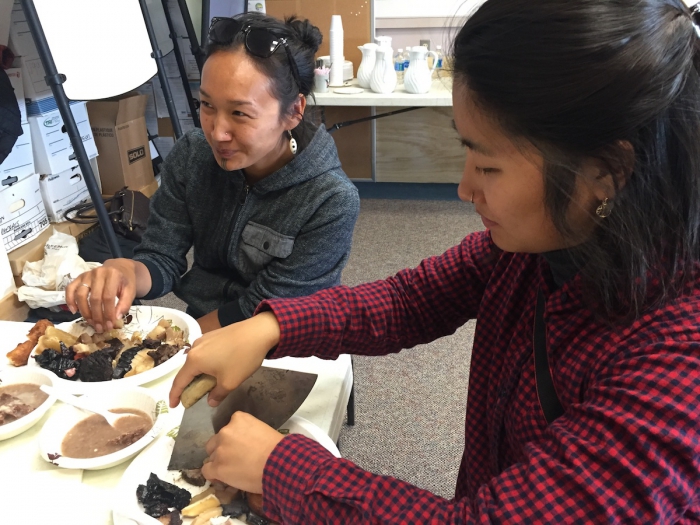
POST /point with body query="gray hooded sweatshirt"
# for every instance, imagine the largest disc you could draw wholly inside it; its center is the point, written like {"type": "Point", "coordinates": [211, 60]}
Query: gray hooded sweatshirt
{"type": "Point", "coordinates": [289, 235]}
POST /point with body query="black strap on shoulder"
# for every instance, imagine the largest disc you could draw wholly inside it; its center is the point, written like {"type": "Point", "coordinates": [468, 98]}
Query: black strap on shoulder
{"type": "Point", "coordinates": [549, 401]}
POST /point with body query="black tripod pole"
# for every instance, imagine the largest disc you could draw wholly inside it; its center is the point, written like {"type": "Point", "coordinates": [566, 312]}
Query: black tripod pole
{"type": "Point", "coordinates": [181, 66]}
{"type": "Point", "coordinates": [196, 49]}
{"type": "Point", "coordinates": [55, 81]}
{"type": "Point", "coordinates": [164, 85]}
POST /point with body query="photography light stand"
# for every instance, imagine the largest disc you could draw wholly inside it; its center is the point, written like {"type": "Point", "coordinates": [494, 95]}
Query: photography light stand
{"type": "Point", "coordinates": [181, 66]}
{"type": "Point", "coordinates": [164, 84]}
{"type": "Point", "coordinates": [195, 47]}
{"type": "Point", "coordinates": [55, 81]}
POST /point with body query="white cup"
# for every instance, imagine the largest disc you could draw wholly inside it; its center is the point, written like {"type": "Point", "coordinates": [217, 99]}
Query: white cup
{"type": "Point", "coordinates": [321, 80]}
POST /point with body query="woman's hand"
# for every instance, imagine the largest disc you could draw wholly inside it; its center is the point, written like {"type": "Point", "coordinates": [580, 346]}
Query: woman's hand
{"type": "Point", "coordinates": [230, 354]}
{"type": "Point", "coordinates": [93, 293]}
{"type": "Point", "coordinates": [239, 451]}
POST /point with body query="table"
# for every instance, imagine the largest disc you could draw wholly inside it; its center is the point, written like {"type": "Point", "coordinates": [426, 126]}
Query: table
{"type": "Point", "coordinates": [416, 146]}
{"type": "Point", "coordinates": [440, 95]}
{"type": "Point", "coordinates": [34, 491]}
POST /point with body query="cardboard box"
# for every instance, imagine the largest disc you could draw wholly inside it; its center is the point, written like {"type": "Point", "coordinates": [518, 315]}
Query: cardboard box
{"type": "Point", "coordinates": [63, 191]}
{"type": "Point", "coordinates": [119, 127]}
{"type": "Point", "coordinates": [34, 250]}
{"type": "Point", "coordinates": [22, 45]}
{"type": "Point", "coordinates": [22, 213]}
{"type": "Point", "coordinates": [11, 309]}
{"type": "Point", "coordinates": [33, 77]}
{"type": "Point", "coordinates": [20, 162]}
{"type": "Point", "coordinates": [15, 76]}
{"type": "Point", "coordinates": [52, 147]}
{"type": "Point", "coordinates": [7, 281]}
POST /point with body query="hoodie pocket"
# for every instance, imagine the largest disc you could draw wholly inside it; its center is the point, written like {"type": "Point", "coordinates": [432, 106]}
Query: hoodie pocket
{"type": "Point", "coordinates": [261, 245]}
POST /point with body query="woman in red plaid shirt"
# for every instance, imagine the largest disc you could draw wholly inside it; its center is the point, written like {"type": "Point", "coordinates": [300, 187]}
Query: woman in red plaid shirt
{"type": "Point", "coordinates": [581, 123]}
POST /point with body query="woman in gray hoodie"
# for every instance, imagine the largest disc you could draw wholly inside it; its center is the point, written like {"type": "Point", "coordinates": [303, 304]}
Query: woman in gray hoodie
{"type": "Point", "coordinates": [258, 192]}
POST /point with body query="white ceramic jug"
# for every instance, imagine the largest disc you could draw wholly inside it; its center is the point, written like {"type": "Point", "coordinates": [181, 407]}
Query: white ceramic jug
{"type": "Point", "coordinates": [383, 76]}
{"type": "Point", "coordinates": [369, 57]}
{"type": "Point", "coordinates": [419, 77]}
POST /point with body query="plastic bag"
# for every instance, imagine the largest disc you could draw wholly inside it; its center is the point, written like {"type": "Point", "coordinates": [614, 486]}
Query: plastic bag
{"type": "Point", "coordinates": [46, 280]}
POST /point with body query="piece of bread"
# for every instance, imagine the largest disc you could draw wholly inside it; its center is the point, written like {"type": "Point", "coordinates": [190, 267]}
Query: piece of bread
{"type": "Point", "coordinates": [197, 389]}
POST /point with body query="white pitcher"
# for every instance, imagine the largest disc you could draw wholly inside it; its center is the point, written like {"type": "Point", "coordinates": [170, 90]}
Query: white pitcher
{"type": "Point", "coordinates": [369, 57]}
{"type": "Point", "coordinates": [383, 76]}
{"type": "Point", "coordinates": [419, 77]}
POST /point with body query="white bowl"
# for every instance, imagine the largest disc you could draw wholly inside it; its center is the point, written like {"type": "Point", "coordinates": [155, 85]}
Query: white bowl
{"type": "Point", "coordinates": [60, 423]}
{"type": "Point", "coordinates": [36, 376]}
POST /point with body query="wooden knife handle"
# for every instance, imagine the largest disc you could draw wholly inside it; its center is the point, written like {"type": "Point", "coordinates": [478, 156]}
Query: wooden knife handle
{"type": "Point", "coordinates": [197, 389]}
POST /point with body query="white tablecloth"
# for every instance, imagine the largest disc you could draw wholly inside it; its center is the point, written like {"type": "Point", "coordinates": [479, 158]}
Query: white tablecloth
{"type": "Point", "coordinates": [34, 491]}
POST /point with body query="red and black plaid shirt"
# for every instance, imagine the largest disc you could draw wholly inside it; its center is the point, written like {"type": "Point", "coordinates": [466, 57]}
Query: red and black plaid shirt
{"type": "Point", "coordinates": [626, 450]}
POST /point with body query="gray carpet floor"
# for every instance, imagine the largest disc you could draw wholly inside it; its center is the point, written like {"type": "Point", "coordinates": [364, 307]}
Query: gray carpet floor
{"type": "Point", "coordinates": [409, 407]}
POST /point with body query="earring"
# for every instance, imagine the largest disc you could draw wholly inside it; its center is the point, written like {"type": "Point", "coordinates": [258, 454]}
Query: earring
{"type": "Point", "coordinates": [292, 143]}
{"type": "Point", "coordinates": [472, 199]}
{"type": "Point", "coordinates": [605, 209]}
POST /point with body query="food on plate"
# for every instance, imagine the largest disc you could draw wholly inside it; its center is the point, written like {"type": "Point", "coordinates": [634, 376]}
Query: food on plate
{"type": "Point", "coordinates": [18, 400]}
{"type": "Point", "coordinates": [52, 339]}
{"type": "Point", "coordinates": [159, 497]}
{"type": "Point", "coordinates": [194, 477]}
{"type": "Point", "coordinates": [172, 518]}
{"type": "Point", "coordinates": [198, 507]}
{"type": "Point", "coordinates": [20, 355]}
{"type": "Point", "coordinates": [93, 437]}
{"type": "Point", "coordinates": [198, 388]}
{"type": "Point", "coordinates": [204, 517]}
{"type": "Point", "coordinates": [93, 357]}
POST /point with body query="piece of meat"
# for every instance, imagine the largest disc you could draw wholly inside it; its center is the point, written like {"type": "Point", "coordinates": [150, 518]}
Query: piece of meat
{"type": "Point", "coordinates": [173, 518]}
{"type": "Point", "coordinates": [12, 408]}
{"type": "Point", "coordinates": [163, 353]}
{"type": "Point", "coordinates": [20, 355]}
{"type": "Point", "coordinates": [193, 477]}
{"type": "Point", "coordinates": [128, 438]}
{"type": "Point", "coordinates": [38, 330]}
{"type": "Point", "coordinates": [96, 367]}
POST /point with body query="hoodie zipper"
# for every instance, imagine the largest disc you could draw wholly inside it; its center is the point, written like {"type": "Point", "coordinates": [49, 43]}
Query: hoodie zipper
{"type": "Point", "coordinates": [234, 221]}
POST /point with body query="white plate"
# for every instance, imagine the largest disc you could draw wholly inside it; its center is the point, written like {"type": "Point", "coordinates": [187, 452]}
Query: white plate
{"type": "Point", "coordinates": [156, 457]}
{"type": "Point", "coordinates": [34, 376]}
{"type": "Point", "coordinates": [64, 419]}
{"type": "Point", "coordinates": [145, 318]}
{"type": "Point", "coordinates": [348, 90]}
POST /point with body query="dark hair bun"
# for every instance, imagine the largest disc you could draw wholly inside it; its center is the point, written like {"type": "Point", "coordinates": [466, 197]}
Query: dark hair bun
{"type": "Point", "coordinates": [309, 35]}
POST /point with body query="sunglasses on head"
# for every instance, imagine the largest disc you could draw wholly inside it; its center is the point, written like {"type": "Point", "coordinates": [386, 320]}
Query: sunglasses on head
{"type": "Point", "coordinates": [258, 41]}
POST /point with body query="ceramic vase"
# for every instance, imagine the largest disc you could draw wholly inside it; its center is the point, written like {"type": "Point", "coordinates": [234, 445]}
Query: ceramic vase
{"type": "Point", "coordinates": [369, 57]}
{"type": "Point", "coordinates": [383, 76]}
{"type": "Point", "coordinates": [419, 77]}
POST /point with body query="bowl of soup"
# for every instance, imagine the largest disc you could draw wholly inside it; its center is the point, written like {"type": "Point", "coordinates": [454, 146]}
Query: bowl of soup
{"type": "Point", "coordinates": [22, 403]}
{"type": "Point", "coordinates": [77, 439]}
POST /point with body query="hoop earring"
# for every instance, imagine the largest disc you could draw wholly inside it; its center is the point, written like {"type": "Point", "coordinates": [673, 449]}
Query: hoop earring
{"type": "Point", "coordinates": [292, 143]}
{"type": "Point", "coordinates": [605, 209]}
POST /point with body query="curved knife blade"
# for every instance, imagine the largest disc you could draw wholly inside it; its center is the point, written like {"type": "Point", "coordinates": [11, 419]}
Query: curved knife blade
{"type": "Point", "coordinates": [270, 394]}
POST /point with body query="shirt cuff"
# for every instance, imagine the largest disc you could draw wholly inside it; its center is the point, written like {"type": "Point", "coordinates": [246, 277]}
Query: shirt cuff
{"type": "Point", "coordinates": [157, 283]}
{"type": "Point", "coordinates": [288, 475]}
{"type": "Point", "coordinates": [231, 313]}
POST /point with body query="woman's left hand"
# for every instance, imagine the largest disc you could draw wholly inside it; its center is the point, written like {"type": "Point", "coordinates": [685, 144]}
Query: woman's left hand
{"type": "Point", "coordinates": [239, 451]}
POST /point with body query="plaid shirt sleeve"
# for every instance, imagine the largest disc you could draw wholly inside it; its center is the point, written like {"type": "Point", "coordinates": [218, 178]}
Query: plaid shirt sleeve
{"type": "Point", "coordinates": [388, 315]}
{"type": "Point", "coordinates": [626, 454]}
